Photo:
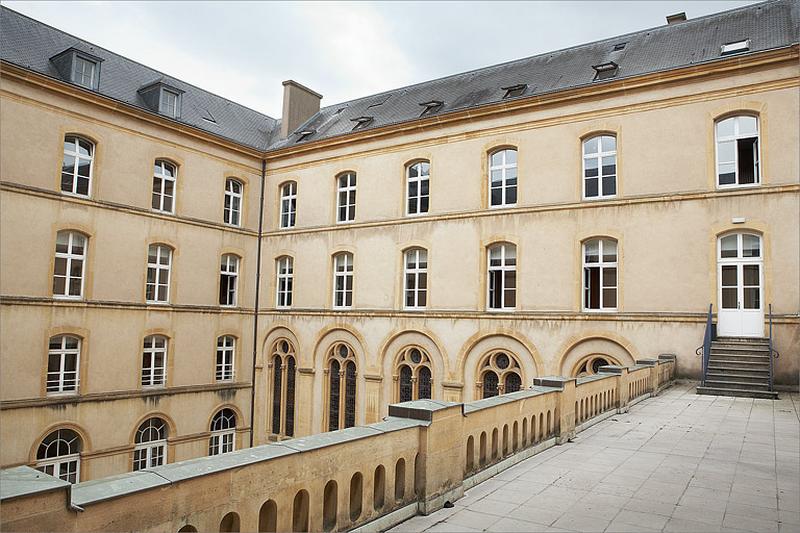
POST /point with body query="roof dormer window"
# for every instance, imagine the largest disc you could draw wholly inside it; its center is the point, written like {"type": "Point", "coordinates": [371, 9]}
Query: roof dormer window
{"type": "Point", "coordinates": [361, 122]}
{"type": "Point", "coordinates": [735, 47]}
{"type": "Point", "coordinates": [163, 98]}
{"type": "Point", "coordinates": [79, 67]}
{"type": "Point", "coordinates": [512, 91]}
{"type": "Point", "coordinates": [432, 107]}
{"type": "Point", "coordinates": [605, 70]}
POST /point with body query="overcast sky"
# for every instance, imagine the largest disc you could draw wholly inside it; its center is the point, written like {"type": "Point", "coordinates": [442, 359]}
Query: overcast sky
{"type": "Point", "coordinates": [244, 50]}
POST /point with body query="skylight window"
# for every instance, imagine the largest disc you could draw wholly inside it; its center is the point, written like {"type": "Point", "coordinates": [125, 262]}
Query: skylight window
{"type": "Point", "coordinates": [735, 47]}
{"type": "Point", "coordinates": [304, 134]}
{"type": "Point", "coordinates": [380, 101]}
{"type": "Point", "coordinates": [431, 108]}
{"type": "Point", "coordinates": [513, 91]}
{"type": "Point", "coordinates": [605, 70]}
{"type": "Point", "coordinates": [361, 122]}
{"type": "Point", "coordinates": [619, 46]}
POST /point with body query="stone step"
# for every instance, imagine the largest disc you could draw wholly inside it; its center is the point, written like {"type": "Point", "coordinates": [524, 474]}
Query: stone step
{"type": "Point", "coordinates": [740, 393]}
{"type": "Point", "coordinates": [738, 375]}
{"type": "Point", "coordinates": [737, 357]}
{"type": "Point", "coordinates": [739, 349]}
{"type": "Point", "coordinates": [743, 340]}
{"type": "Point", "coordinates": [726, 383]}
{"type": "Point", "coordinates": [739, 365]}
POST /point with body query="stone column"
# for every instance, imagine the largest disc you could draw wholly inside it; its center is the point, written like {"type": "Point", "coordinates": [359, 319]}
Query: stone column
{"type": "Point", "coordinates": [653, 364]}
{"type": "Point", "coordinates": [622, 385]}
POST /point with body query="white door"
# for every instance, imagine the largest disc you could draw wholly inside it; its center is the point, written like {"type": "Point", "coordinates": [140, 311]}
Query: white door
{"type": "Point", "coordinates": [740, 281]}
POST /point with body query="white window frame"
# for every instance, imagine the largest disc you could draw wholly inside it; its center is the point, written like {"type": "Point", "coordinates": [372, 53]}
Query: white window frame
{"type": "Point", "coordinates": [161, 177]}
{"type": "Point", "coordinates": [343, 261]}
{"type": "Point", "coordinates": [349, 192]}
{"type": "Point", "coordinates": [52, 465]}
{"type": "Point", "coordinates": [735, 138]}
{"type": "Point", "coordinates": [59, 378]}
{"type": "Point", "coordinates": [154, 376]}
{"type": "Point", "coordinates": [232, 208]}
{"type": "Point", "coordinates": [76, 154]}
{"type": "Point", "coordinates": [288, 215]}
{"type": "Point", "coordinates": [229, 273]}
{"type": "Point", "coordinates": [602, 264]}
{"type": "Point", "coordinates": [222, 440]}
{"type": "Point", "coordinates": [599, 155]}
{"type": "Point", "coordinates": [69, 257]}
{"type": "Point", "coordinates": [164, 103]}
{"type": "Point", "coordinates": [420, 166]}
{"type": "Point", "coordinates": [79, 74]}
{"type": "Point", "coordinates": [415, 256]}
{"type": "Point", "coordinates": [226, 357]}
{"type": "Point", "coordinates": [150, 453]}
{"type": "Point", "coordinates": [504, 187]}
{"type": "Point", "coordinates": [506, 256]}
{"type": "Point", "coordinates": [284, 284]}
{"type": "Point", "coordinates": [160, 271]}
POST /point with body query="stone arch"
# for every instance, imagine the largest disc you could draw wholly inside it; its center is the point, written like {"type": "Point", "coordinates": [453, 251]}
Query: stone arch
{"type": "Point", "coordinates": [400, 480]}
{"type": "Point", "coordinates": [86, 444]}
{"type": "Point", "coordinates": [300, 512]}
{"type": "Point", "coordinates": [379, 488]}
{"type": "Point", "coordinates": [605, 344]}
{"type": "Point", "coordinates": [392, 348]}
{"type": "Point", "coordinates": [476, 348]}
{"type": "Point", "coordinates": [356, 495]}
{"type": "Point", "coordinates": [327, 338]}
{"type": "Point", "coordinates": [330, 505]}
{"type": "Point", "coordinates": [279, 331]}
{"type": "Point", "coordinates": [229, 523]}
{"type": "Point", "coordinates": [268, 517]}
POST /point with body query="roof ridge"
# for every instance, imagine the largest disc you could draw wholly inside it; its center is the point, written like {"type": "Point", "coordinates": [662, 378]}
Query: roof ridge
{"type": "Point", "coordinates": [573, 47]}
{"type": "Point", "coordinates": [159, 72]}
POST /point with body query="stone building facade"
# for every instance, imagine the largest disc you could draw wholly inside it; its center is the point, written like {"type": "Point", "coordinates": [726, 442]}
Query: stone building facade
{"type": "Point", "coordinates": [182, 276]}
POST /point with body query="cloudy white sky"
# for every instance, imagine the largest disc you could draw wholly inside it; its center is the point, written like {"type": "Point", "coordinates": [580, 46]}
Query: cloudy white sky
{"type": "Point", "coordinates": [344, 50]}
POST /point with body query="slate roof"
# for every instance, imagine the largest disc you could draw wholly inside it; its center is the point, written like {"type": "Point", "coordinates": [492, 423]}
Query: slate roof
{"type": "Point", "coordinates": [769, 25]}
{"type": "Point", "coordinates": [30, 44]}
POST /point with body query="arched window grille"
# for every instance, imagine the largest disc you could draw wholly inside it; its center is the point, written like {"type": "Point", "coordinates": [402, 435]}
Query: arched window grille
{"type": "Point", "coordinates": [223, 432]}
{"type": "Point", "coordinates": [499, 373]}
{"type": "Point", "coordinates": [59, 455]}
{"type": "Point", "coordinates": [341, 369]}
{"type": "Point", "coordinates": [283, 379]}
{"type": "Point", "coordinates": [151, 444]}
{"type": "Point", "coordinates": [413, 374]}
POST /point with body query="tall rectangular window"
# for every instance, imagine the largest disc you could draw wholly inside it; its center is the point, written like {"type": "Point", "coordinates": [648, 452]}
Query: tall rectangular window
{"type": "Point", "coordinates": [168, 103]}
{"type": "Point", "coordinates": [737, 152]}
{"type": "Point", "coordinates": [502, 267]}
{"type": "Point", "coordinates": [343, 280]}
{"type": "Point", "coordinates": [416, 278]}
{"type": "Point", "coordinates": [346, 197]}
{"type": "Point", "coordinates": [288, 204]}
{"type": "Point", "coordinates": [84, 72]}
{"type": "Point", "coordinates": [600, 167]}
{"type": "Point", "coordinates": [226, 349]}
{"type": "Point", "coordinates": [228, 278]}
{"type": "Point", "coordinates": [159, 263]}
{"type": "Point", "coordinates": [600, 275]}
{"type": "Point", "coordinates": [164, 176]}
{"type": "Point", "coordinates": [285, 268]}
{"type": "Point", "coordinates": [232, 212]}
{"type": "Point", "coordinates": [154, 361]}
{"type": "Point", "coordinates": [76, 167]}
{"type": "Point", "coordinates": [62, 364]}
{"type": "Point", "coordinates": [503, 178]}
{"type": "Point", "coordinates": [68, 267]}
{"type": "Point", "coordinates": [418, 192]}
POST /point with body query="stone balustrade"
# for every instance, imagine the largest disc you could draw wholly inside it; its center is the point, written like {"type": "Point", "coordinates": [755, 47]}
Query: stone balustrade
{"type": "Point", "coordinates": [424, 454]}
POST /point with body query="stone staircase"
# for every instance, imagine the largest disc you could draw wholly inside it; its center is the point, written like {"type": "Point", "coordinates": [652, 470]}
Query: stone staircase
{"type": "Point", "coordinates": [738, 366]}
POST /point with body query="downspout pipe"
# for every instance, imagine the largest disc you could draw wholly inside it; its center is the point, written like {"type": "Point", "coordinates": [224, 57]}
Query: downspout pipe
{"type": "Point", "coordinates": [255, 307]}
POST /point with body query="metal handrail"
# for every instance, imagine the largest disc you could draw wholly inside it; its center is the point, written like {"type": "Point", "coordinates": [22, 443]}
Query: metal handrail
{"type": "Point", "coordinates": [706, 348]}
{"type": "Point", "coordinates": [770, 347]}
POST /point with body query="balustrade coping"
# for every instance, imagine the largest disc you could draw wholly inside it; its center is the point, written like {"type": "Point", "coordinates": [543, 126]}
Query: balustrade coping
{"type": "Point", "coordinates": [596, 377]}
{"type": "Point", "coordinates": [25, 481]}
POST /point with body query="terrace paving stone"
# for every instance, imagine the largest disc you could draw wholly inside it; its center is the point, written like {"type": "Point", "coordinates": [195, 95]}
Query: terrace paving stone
{"type": "Point", "coordinates": [674, 462]}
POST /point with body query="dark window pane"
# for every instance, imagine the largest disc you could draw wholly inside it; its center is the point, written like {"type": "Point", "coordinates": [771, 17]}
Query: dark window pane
{"type": "Point", "coordinates": [591, 187]}
{"type": "Point", "coordinates": [424, 383]}
{"type": "Point", "coordinates": [490, 382]}
{"type": "Point", "coordinates": [405, 384]}
{"type": "Point", "coordinates": [729, 298]}
{"type": "Point", "coordinates": [746, 150]}
{"type": "Point", "coordinates": [511, 195]}
{"type": "Point", "coordinates": [752, 298]}
{"type": "Point", "coordinates": [609, 297]}
{"type": "Point", "coordinates": [609, 185]}
{"type": "Point", "coordinates": [497, 196]}
{"type": "Point", "coordinates": [750, 275]}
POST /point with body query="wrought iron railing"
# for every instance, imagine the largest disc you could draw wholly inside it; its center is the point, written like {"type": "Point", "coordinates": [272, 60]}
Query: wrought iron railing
{"type": "Point", "coordinates": [705, 350]}
{"type": "Point", "coordinates": [773, 353]}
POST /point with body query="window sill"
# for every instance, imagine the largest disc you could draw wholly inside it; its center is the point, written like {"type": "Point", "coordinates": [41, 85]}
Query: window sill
{"type": "Point", "coordinates": [62, 394]}
{"type": "Point", "coordinates": [76, 195]}
{"type": "Point", "coordinates": [71, 298]}
{"type": "Point", "coordinates": [599, 198]}
{"type": "Point", "coordinates": [737, 186]}
{"type": "Point", "coordinates": [503, 310]}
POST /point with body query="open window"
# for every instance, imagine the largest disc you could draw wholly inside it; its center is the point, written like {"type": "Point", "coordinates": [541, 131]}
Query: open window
{"type": "Point", "coordinates": [738, 161]}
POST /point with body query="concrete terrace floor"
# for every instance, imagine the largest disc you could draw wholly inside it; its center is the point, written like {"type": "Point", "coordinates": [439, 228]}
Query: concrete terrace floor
{"type": "Point", "coordinates": [676, 462]}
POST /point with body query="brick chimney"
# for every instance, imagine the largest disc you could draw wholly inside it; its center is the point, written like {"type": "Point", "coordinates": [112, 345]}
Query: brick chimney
{"type": "Point", "coordinates": [299, 104]}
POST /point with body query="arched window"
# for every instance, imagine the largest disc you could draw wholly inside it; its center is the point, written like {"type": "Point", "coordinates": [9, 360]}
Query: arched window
{"type": "Point", "coordinates": [164, 176]}
{"type": "Point", "coordinates": [226, 352]}
{"type": "Point", "coordinates": [416, 278]}
{"type": "Point", "coordinates": [343, 280]}
{"type": "Point", "coordinates": [413, 375]}
{"type": "Point", "coordinates": [346, 197]}
{"type": "Point", "coordinates": [223, 432]}
{"type": "Point", "coordinates": [76, 168]}
{"type": "Point", "coordinates": [232, 212]}
{"type": "Point", "coordinates": [499, 373]}
{"type": "Point", "coordinates": [228, 280]}
{"type": "Point", "coordinates": [69, 264]}
{"type": "Point", "coordinates": [503, 178]}
{"type": "Point", "coordinates": [59, 455]}
{"type": "Point", "coordinates": [285, 281]}
{"type": "Point", "coordinates": [591, 365]}
{"type": "Point", "coordinates": [288, 204]}
{"type": "Point", "coordinates": [159, 264]}
{"type": "Point", "coordinates": [600, 275]}
{"type": "Point", "coordinates": [600, 166]}
{"type": "Point", "coordinates": [417, 188]}
{"type": "Point", "coordinates": [154, 361]}
{"type": "Point", "coordinates": [151, 444]}
{"type": "Point", "coordinates": [63, 360]}
{"type": "Point", "coordinates": [283, 379]}
{"type": "Point", "coordinates": [502, 270]}
{"type": "Point", "coordinates": [737, 151]}
{"type": "Point", "coordinates": [341, 370]}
